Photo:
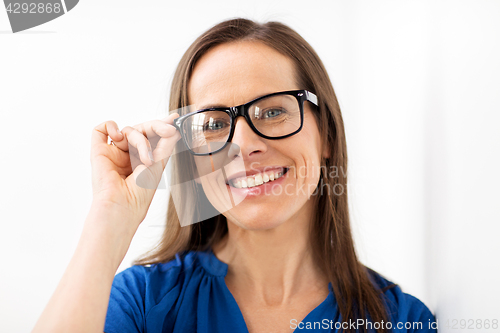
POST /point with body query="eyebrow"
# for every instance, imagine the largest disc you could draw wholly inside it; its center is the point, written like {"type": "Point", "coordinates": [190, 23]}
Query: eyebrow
{"type": "Point", "coordinates": [210, 106]}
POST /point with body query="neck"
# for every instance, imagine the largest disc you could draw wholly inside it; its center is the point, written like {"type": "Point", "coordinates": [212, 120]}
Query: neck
{"type": "Point", "coordinates": [271, 266]}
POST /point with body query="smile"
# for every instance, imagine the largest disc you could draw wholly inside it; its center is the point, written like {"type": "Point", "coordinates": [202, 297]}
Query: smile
{"type": "Point", "coordinates": [257, 179]}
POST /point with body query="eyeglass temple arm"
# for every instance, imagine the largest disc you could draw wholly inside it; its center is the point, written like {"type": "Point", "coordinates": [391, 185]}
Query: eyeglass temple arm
{"type": "Point", "coordinates": [312, 98]}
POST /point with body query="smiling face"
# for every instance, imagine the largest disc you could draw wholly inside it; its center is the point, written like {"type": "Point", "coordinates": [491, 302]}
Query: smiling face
{"type": "Point", "coordinates": [235, 73]}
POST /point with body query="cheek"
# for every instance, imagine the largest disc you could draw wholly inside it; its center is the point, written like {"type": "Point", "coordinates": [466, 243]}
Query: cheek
{"type": "Point", "coordinates": [308, 143]}
{"type": "Point", "coordinates": [307, 158]}
{"type": "Point", "coordinates": [212, 177]}
{"type": "Point", "coordinates": [214, 188]}
{"type": "Point", "coordinates": [308, 175]}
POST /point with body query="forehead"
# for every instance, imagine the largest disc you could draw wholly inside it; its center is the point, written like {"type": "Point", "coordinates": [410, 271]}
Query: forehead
{"type": "Point", "coordinates": [235, 73]}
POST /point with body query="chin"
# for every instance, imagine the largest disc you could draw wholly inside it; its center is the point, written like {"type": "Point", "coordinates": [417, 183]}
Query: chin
{"type": "Point", "coordinates": [254, 220]}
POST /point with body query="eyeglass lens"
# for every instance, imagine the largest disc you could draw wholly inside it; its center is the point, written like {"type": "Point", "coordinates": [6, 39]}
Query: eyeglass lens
{"type": "Point", "coordinates": [274, 116]}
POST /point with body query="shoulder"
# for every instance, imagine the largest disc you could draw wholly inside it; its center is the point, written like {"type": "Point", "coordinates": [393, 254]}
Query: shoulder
{"type": "Point", "coordinates": [403, 308]}
{"type": "Point", "coordinates": [138, 290]}
{"type": "Point", "coordinates": [161, 278]}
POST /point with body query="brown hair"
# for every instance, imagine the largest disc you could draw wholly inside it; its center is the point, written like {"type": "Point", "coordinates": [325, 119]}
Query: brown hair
{"type": "Point", "coordinates": [330, 233]}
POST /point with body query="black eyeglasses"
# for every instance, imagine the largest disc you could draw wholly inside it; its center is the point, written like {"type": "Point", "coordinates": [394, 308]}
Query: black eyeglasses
{"type": "Point", "coordinates": [274, 116]}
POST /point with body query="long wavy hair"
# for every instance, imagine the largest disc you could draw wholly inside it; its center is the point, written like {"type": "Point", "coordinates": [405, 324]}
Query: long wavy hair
{"type": "Point", "coordinates": [330, 231]}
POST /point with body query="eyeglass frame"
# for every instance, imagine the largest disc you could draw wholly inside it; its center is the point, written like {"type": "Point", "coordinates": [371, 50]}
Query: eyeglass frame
{"type": "Point", "coordinates": [242, 110]}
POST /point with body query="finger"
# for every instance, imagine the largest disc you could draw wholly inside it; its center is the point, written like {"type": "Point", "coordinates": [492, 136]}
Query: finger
{"type": "Point", "coordinates": [147, 178]}
{"type": "Point", "coordinates": [101, 132]}
{"type": "Point", "coordinates": [165, 147]}
{"type": "Point", "coordinates": [138, 141]}
{"type": "Point", "coordinates": [162, 127]}
{"type": "Point", "coordinates": [170, 119]}
{"type": "Point", "coordinates": [156, 128]}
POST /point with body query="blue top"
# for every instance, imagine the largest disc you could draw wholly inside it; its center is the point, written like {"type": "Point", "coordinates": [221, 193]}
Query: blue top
{"type": "Point", "coordinates": [189, 294]}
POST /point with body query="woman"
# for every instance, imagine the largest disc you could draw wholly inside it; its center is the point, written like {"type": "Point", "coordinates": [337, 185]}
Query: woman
{"type": "Point", "coordinates": [271, 261]}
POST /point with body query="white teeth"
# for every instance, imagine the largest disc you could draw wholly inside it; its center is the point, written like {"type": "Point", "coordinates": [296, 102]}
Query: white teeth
{"type": "Point", "coordinates": [251, 181]}
{"type": "Point", "coordinates": [265, 178]}
{"type": "Point", "coordinates": [256, 180]}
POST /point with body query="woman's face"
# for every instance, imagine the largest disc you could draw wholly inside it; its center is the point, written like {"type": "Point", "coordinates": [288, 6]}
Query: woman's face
{"type": "Point", "coordinates": [233, 74]}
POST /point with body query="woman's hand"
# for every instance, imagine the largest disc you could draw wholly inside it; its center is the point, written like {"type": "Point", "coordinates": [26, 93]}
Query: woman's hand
{"type": "Point", "coordinates": [119, 206]}
{"type": "Point", "coordinates": [125, 175]}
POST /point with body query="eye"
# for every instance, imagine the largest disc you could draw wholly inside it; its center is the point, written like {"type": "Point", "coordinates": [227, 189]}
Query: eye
{"type": "Point", "coordinates": [214, 125]}
{"type": "Point", "coordinates": [272, 113]}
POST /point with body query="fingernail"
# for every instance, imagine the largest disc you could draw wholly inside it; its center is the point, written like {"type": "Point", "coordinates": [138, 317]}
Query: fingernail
{"type": "Point", "coordinates": [119, 133]}
{"type": "Point", "coordinates": [150, 153]}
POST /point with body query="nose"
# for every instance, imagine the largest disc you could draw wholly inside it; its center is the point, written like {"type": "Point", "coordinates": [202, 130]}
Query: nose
{"type": "Point", "coordinates": [249, 142]}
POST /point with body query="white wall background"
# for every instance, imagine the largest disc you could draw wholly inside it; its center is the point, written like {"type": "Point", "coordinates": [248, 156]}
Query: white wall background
{"type": "Point", "coordinates": [418, 83]}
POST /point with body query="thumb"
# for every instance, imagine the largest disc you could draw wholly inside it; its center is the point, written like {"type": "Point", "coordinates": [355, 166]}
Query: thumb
{"type": "Point", "coordinates": [148, 178]}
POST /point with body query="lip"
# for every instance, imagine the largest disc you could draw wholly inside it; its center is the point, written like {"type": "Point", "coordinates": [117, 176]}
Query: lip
{"type": "Point", "coordinates": [255, 171]}
{"type": "Point", "coordinates": [261, 190]}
